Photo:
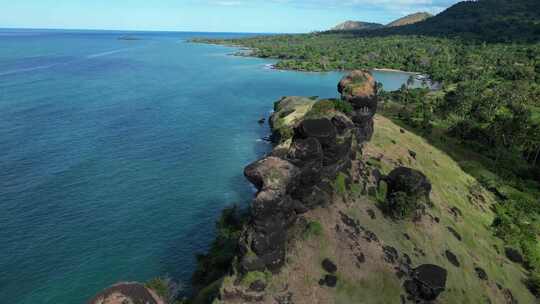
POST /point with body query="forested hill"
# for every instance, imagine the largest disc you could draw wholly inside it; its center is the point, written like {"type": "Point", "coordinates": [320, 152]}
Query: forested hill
{"type": "Point", "coordinates": [488, 20]}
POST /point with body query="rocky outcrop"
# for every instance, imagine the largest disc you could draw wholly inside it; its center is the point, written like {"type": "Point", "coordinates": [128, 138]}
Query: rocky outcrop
{"type": "Point", "coordinates": [127, 293]}
{"type": "Point", "coordinates": [315, 142]}
{"type": "Point", "coordinates": [427, 283]}
{"type": "Point", "coordinates": [408, 192]}
{"type": "Point", "coordinates": [360, 90]}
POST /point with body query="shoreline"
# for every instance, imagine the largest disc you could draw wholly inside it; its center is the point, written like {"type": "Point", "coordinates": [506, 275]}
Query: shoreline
{"type": "Point", "coordinates": [394, 70]}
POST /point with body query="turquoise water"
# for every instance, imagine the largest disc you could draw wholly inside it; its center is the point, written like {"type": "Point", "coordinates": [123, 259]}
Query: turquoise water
{"type": "Point", "coordinates": [118, 156]}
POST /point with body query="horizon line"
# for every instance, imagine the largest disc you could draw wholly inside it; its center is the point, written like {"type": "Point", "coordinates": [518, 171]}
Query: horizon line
{"type": "Point", "coordinates": [145, 31]}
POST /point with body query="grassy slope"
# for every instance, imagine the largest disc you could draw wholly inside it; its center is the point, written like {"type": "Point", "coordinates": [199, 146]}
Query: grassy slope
{"type": "Point", "coordinates": [375, 280]}
{"type": "Point", "coordinates": [451, 187]}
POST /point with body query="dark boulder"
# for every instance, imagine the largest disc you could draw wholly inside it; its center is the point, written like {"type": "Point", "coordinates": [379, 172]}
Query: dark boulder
{"type": "Point", "coordinates": [452, 258]}
{"type": "Point", "coordinates": [427, 283]}
{"type": "Point", "coordinates": [514, 255]}
{"type": "Point", "coordinates": [481, 273]}
{"type": "Point", "coordinates": [329, 266]}
{"type": "Point", "coordinates": [328, 280]}
{"type": "Point", "coordinates": [410, 181]}
{"type": "Point", "coordinates": [320, 128]}
{"type": "Point", "coordinates": [407, 193]}
{"type": "Point", "coordinates": [262, 121]}
{"type": "Point", "coordinates": [454, 233]}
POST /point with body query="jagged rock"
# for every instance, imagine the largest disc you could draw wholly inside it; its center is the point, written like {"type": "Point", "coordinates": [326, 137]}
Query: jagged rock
{"type": "Point", "coordinates": [360, 90]}
{"type": "Point", "coordinates": [390, 254]}
{"type": "Point", "coordinates": [513, 255]}
{"type": "Point", "coordinates": [328, 280]}
{"type": "Point", "coordinates": [329, 266]}
{"type": "Point", "coordinates": [481, 273]}
{"type": "Point", "coordinates": [262, 121]}
{"type": "Point", "coordinates": [127, 293]}
{"type": "Point", "coordinates": [273, 211]}
{"type": "Point", "coordinates": [271, 173]}
{"type": "Point", "coordinates": [454, 233]}
{"type": "Point", "coordinates": [359, 85]}
{"type": "Point", "coordinates": [452, 258]}
{"type": "Point", "coordinates": [427, 282]}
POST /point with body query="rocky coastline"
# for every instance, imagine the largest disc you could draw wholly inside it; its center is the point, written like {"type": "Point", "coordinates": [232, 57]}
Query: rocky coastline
{"type": "Point", "coordinates": [318, 149]}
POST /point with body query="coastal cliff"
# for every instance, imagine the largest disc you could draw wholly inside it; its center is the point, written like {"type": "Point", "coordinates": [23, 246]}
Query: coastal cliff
{"type": "Point", "coordinates": [351, 208]}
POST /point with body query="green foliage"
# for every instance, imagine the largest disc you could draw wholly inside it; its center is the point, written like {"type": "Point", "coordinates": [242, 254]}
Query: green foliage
{"type": "Point", "coordinates": [165, 288]}
{"type": "Point", "coordinates": [518, 224]}
{"type": "Point", "coordinates": [254, 276]}
{"type": "Point", "coordinates": [216, 263]}
{"type": "Point", "coordinates": [340, 184]}
{"type": "Point", "coordinates": [343, 106]}
{"type": "Point", "coordinates": [313, 229]}
{"type": "Point", "coordinates": [401, 205]}
{"type": "Point", "coordinates": [159, 285]}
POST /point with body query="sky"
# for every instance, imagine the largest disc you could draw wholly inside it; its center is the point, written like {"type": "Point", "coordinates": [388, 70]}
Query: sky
{"type": "Point", "coordinates": [258, 16]}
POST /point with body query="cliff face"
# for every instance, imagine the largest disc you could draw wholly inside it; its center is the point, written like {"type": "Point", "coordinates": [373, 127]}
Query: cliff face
{"type": "Point", "coordinates": [314, 146]}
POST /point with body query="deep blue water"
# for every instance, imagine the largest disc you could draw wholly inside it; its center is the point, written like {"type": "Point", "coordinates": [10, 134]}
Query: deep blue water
{"type": "Point", "coordinates": [117, 156]}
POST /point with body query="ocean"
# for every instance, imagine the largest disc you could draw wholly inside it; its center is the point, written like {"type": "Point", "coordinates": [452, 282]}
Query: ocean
{"type": "Point", "coordinates": [118, 155]}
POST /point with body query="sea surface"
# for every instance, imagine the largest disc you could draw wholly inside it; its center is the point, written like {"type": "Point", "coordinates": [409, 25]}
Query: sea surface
{"type": "Point", "coordinates": [117, 156]}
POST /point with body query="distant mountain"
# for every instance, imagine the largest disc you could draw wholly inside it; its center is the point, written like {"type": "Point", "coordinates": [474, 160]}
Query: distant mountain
{"type": "Point", "coordinates": [356, 26]}
{"type": "Point", "coordinates": [410, 19]}
{"type": "Point", "coordinates": [362, 26]}
{"type": "Point", "coordinates": [488, 20]}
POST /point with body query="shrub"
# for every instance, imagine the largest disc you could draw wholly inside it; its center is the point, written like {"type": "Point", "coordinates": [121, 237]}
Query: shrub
{"type": "Point", "coordinates": [215, 264]}
{"type": "Point", "coordinates": [343, 106]}
{"type": "Point", "coordinates": [313, 228]}
{"type": "Point", "coordinates": [166, 288]}
{"type": "Point", "coordinates": [400, 205]}
{"type": "Point", "coordinates": [340, 184]}
{"type": "Point", "coordinates": [253, 276]}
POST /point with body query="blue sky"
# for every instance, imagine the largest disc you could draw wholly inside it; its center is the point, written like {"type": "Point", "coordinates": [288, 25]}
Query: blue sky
{"type": "Point", "coordinates": [273, 16]}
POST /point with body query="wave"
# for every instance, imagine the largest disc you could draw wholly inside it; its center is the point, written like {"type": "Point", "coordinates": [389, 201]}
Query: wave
{"type": "Point", "coordinates": [42, 67]}
{"type": "Point", "coordinates": [102, 54]}
{"type": "Point", "coordinates": [23, 70]}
